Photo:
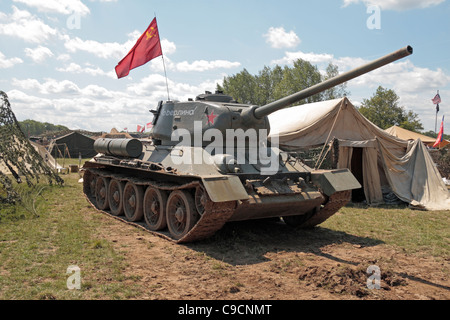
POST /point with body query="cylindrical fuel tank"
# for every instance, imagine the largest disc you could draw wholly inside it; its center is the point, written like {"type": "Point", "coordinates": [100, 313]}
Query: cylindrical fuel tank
{"type": "Point", "coordinates": [119, 147]}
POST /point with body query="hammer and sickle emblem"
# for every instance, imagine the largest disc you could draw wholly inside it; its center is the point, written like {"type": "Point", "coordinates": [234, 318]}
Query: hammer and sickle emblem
{"type": "Point", "coordinates": [151, 34]}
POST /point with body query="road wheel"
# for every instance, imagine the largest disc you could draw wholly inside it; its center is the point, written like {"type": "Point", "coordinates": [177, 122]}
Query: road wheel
{"type": "Point", "coordinates": [181, 213]}
{"type": "Point", "coordinates": [115, 197]}
{"type": "Point", "coordinates": [101, 193]}
{"type": "Point", "coordinates": [132, 202]}
{"type": "Point", "coordinates": [155, 201]}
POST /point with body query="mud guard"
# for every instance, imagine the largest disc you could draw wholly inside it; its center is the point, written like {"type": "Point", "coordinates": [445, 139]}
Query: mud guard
{"type": "Point", "coordinates": [331, 182]}
{"type": "Point", "coordinates": [224, 188]}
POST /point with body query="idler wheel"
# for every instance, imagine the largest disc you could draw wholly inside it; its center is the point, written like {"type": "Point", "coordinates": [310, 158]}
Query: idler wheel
{"type": "Point", "coordinates": [101, 193]}
{"type": "Point", "coordinates": [181, 213]}
{"type": "Point", "coordinates": [155, 202]}
{"type": "Point", "coordinates": [132, 202]}
{"type": "Point", "coordinates": [89, 181]}
{"type": "Point", "coordinates": [115, 197]}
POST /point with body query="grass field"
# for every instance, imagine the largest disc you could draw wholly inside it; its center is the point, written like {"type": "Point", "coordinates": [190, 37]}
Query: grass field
{"type": "Point", "coordinates": [38, 245]}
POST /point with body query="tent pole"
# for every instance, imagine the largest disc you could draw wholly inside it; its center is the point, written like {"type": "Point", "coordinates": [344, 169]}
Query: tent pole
{"type": "Point", "coordinates": [328, 139]}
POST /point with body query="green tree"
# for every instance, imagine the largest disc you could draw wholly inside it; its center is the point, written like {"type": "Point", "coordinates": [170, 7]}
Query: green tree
{"type": "Point", "coordinates": [335, 92]}
{"type": "Point", "coordinates": [301, 76]}
{"type": "Point", "coordinates": [383, 110]}
{"type": "Point", "coordinates": [241, 87]}
{"type": "Point", "coordinates": [266, 81]}
{"type": "Point", "coordinates": [271, 84]}
{"type": "Point", "coordinates": [433, 134]}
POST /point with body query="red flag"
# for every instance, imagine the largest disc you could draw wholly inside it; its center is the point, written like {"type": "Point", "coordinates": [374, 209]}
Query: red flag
{"type": "Point", "coordinates": [440, 137]}
{"type": "Point", "coordinates": [149, 125]}
{"type": "Point", "coordinates": [146, 48]}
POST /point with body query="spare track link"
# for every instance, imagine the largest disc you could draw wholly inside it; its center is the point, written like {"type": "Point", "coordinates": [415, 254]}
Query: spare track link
{"type": "Point", "coordinates": [334, 204]}
{"type": "Point", "coordinates": [212, 220]}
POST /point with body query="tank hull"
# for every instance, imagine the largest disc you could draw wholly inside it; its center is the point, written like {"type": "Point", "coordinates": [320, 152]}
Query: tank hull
{"type": "Point", "coordinates": [205, 202]}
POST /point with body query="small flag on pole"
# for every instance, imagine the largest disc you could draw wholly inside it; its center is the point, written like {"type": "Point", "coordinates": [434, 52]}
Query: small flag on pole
{"type": "Point", "coordinates": [437, 100]}
{"type": "Point", "coordinates": [440, 137]}
{"type": "Point", "coordinates": [149, 125]}
{"type": "Point", "coordinates": [140, 128]}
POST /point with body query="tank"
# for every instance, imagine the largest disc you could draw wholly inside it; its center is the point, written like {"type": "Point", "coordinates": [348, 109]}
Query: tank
{"type": "Point", "coordinates": [208, 161]}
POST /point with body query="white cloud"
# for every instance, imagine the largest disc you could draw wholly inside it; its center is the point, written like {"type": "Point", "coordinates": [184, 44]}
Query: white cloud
{"type": "Point", "coordinates": [168, 47]}
{"type": "Point", "coordinates": [92, 110]}
{"type": "Point", "coordinates": [58, 6]}
{"type": "Point", "coordinates": [104, 50]}
{"type": "Point", "coordinates": [50, 86]}
{"type": "Point", "coordinates": [153, 84]}
{"type": "Point", "coordinates": [154, 87]}
{"type": "Point", "coordinates": [39, 54]}
{"type": "Point", "coordinates": [8, 63]}
{"type": "Point", "coordinates": [93, 71]}
{"type": "Point", "coordinates": [22, 24]}
{"type": "Point", "coordinates": [96, 91]}
{"type": "Point", "coordinates": [398, 5]}
{"type": "Point", "coordinates": [279, 38]}
{"type": "Point", "coordinates": [63, 57]}
{"type": "Point", "coordinates": [314, 58]}
{"type": "Point", "coordinates": [405, 78]}
{"type": "Point", "coordinates": [203, 65]}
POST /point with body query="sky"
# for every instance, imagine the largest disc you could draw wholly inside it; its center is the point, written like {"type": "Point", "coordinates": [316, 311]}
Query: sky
{"type": "Point", "coordinates": [57, 58]}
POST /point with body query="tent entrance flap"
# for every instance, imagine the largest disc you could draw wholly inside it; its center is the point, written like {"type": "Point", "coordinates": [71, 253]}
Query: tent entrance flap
{"type": "Point", "coordinates": [357, 170]}
{"type": "Point", "coordinates": [363, 163]}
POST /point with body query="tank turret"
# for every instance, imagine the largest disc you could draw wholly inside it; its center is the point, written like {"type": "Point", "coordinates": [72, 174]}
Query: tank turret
{"type": "Point", "coordinates": [221, 112]}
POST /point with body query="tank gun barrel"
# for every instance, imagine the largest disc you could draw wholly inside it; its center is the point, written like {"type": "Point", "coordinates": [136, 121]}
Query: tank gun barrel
{"type": "Point", "coordinates": [263, 111]}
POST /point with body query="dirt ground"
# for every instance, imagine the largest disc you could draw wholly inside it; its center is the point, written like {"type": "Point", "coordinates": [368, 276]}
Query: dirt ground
{"type": "Point", "coordinates": [267, 260]}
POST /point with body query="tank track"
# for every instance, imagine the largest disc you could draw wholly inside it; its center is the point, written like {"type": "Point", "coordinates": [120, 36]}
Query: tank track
{"type": "Point", "coordinates": [213, 219]}
{"type": "Point", "coordinates": [216, 215]}
{"type": "Point", "coordinates": [334, 204]}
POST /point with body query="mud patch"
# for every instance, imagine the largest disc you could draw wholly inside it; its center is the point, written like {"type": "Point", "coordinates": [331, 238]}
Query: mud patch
{"type": "Point", "coordinates": [347, 279]}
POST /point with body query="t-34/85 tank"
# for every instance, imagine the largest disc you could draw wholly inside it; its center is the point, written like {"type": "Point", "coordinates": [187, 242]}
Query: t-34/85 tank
{"type": "Point", "coordinates": [209, 162]}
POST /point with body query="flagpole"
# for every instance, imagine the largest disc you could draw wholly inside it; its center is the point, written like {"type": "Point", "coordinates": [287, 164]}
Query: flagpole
{"type": "Point", "coordinates": [437, 111]}
{"type": "Point", "coordinates": [165, 73]}
{"type": "Point", "coordinates": [164, 64]}
{"type": "Point", "coordinates": [435, 125]}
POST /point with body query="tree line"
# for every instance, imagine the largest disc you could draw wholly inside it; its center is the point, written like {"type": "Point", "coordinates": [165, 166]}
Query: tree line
{"type": "Point", "coordinates": [35, 128]}
{"type": "Point", "coordinates": [271, 84]}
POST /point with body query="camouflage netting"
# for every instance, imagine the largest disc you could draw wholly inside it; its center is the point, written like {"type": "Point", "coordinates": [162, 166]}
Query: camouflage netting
{"type": "Point", "coordinates": [323, 157]}
{"type": "Point", "coordinates": [18, 157]}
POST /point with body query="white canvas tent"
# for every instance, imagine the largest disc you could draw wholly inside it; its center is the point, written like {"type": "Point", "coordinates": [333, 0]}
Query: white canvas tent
{"type": "Point", "coordinates": [383, 160]}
